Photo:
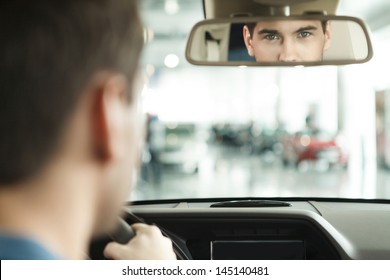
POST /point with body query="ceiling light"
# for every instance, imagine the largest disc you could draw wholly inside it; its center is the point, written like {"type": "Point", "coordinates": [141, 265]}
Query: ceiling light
{"type": "Point", "coordinates": [171, 7]}
{"type": "Point", "coordinates": [171, 61]}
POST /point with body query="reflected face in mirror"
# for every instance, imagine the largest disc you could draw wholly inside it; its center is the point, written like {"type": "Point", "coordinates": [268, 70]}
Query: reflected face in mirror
{"type": "Point", "coordinates": [287, 40]}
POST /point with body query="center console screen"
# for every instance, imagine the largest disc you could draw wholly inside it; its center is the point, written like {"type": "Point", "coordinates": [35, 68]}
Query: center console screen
{"type": "Point", "coordinates": [258, 250]}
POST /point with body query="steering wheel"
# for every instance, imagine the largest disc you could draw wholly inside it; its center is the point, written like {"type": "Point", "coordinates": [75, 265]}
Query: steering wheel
{"type": "Point", "coordinates": [122, 235]}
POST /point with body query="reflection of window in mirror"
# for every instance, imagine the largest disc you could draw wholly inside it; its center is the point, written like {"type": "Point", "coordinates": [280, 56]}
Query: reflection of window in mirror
{"type": "Point", "coordinates": [237, 48]}
{"type": "Point", "coordinates": [287, 40]}
{"type": "Point", "coordinates": [349, 42]}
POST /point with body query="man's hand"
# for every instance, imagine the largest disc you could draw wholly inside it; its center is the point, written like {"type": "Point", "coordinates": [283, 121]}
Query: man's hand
{"type": "Point", "coordinates": [147, 244]}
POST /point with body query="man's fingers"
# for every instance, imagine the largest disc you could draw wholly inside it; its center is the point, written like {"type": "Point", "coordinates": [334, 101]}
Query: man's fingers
{"type": "Point", "coordinates": [116, 251]}
{"type": "Point", "coordinates": [149, 229]}
{"type": "Point", "coordinates": [139, 226]}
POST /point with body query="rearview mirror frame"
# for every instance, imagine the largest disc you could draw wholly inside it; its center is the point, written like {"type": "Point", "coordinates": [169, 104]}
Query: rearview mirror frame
{"type": "Point", "coordinates": [238, 20]}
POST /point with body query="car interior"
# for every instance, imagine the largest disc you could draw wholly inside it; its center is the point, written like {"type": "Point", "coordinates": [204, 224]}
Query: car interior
{"type": "Point", "coordinates": [235, 163]}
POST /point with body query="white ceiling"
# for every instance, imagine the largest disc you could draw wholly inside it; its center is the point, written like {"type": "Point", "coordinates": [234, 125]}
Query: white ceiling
{"type": "Point", "coordinates": [374, 12]}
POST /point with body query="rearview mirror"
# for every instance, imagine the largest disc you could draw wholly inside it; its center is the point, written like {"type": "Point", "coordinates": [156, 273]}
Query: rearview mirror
{"type": "Point", "coordinates": [278, 41]}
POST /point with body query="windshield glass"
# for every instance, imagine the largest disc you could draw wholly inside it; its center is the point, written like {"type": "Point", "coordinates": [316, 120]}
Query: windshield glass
{"type": "Point", "coordinates": [261, 132]}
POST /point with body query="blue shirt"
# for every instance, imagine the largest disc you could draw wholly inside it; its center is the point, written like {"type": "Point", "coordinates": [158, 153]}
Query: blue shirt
{"type": "Point", "coordinates": [20, 248]}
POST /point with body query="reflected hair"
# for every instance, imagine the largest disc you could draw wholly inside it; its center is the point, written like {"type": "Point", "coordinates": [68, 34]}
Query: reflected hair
{"type": "Point", "coordinates": [50, 50]}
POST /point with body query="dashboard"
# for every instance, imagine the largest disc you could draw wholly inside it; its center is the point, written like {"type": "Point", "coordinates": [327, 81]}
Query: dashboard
{"type": "Point", "coordinates": [311, 230]}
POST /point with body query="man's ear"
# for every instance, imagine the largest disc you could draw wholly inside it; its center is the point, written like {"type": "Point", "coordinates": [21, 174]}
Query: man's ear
{"type": "Point", "coordinates": [108, 111]}
{"type": "Point", "coordinates": [328, 35]}
{"type": "Point", "coordinates": [248, 40]}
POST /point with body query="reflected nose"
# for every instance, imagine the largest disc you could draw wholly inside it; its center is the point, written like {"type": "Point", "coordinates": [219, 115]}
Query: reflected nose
{"type": "Point", "coordinates": [288, 52]}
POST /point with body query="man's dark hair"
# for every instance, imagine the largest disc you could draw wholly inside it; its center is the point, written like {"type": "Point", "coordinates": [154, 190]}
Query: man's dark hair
{"type": "Point", "coordinates": [49, 51]}
{"type": "Point", "coordinates": [251, 26]}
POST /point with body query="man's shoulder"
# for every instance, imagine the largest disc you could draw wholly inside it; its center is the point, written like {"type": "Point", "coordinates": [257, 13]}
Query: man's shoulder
{"type": "Point", "coordinates": [22, 248]}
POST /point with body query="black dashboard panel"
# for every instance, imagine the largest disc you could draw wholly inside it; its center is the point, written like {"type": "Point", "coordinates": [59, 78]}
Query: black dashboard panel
{"type": "Point", "coordinates": [310, 228]}
{"type": "Point", "coordinates": [279, 237]}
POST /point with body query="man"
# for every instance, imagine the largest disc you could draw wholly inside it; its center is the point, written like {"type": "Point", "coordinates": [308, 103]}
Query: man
{"type": "Point", "coordinates": [70, 128]}
{"type": "Point", "coordinates": [287, 40]}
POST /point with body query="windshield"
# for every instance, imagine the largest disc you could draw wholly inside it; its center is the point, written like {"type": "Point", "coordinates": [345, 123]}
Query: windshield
{"type": "Point", "coordinates": [261, 132]}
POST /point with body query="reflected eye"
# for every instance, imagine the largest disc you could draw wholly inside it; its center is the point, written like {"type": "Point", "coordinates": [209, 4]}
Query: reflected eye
{"type": "Point", "coordinates": [304, 34]}
{"type": "Point", "coordinates": [271, 37]}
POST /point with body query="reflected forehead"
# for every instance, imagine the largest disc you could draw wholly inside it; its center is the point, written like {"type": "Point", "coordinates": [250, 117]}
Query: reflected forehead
{"type": "Point", "coordinates": [283, 26]}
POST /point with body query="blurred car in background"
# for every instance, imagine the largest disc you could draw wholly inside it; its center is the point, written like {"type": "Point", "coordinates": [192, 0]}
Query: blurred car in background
{"type": "Point", "coordinates": [268, 140]}
{"type": "Point", "coordinates": [232, 134]}
{"type": "Point", "coordinates": [183, 147]}
{"type": "Point", "coordinates": [314, 146]}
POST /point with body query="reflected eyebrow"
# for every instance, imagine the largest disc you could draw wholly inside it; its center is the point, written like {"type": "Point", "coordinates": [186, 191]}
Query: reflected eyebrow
{"type": "Point", "coordinates": [274, 31]}
{"type": "Point", "coordinates": [267, 31]}
{"type": "Point", "coordinates": [306, 28]}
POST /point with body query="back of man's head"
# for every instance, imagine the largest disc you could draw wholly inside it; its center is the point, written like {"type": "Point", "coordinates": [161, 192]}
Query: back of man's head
{"type": "Point", "coordinates": [49, 51]}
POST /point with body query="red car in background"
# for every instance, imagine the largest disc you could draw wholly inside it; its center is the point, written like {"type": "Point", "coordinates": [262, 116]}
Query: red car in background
{"type": "Point", "coordinates": [314, 146]}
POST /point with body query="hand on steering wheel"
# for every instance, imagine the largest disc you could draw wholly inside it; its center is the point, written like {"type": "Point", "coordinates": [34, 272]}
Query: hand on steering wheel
{"type": "Point", "coordinates": [152, 243]}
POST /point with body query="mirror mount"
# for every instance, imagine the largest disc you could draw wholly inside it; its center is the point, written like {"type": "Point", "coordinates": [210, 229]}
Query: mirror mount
{"type": "Point", "coordinates": [281, 7]}
{"type": "Point", "coordinates": [219, 9]}
{"type": "Point", "coordinates": [315, 13]}
{"type": "Point", "coordinates": [279, 11]}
